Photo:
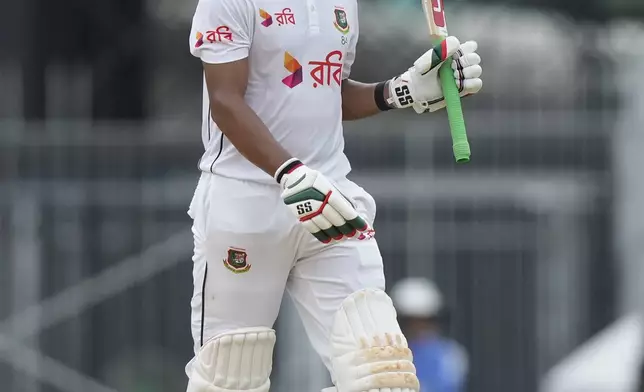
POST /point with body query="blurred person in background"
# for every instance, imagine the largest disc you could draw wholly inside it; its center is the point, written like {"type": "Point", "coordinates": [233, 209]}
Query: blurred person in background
{"type": "Point", "coordinates": [441, 363]}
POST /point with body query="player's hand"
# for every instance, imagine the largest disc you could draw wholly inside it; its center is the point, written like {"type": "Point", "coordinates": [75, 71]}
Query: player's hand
{"type": "Point", "coordinates": [318, 204]}
{"type": "Point", "coordinates": [420, 86]}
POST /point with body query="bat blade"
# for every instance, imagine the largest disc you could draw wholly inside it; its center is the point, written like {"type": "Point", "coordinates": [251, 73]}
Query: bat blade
{"type": "Point", "coordinates": [435, 14]}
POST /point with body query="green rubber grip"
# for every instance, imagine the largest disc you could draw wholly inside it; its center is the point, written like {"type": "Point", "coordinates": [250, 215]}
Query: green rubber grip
{"type": "Point", "coordinates": [460, 145]}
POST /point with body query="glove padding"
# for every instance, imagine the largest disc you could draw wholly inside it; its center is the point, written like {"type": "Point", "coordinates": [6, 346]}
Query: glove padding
{"type": "Point", "coordinates": [420, 86]}
{"type": "Point", "coordinates": [321, 208]}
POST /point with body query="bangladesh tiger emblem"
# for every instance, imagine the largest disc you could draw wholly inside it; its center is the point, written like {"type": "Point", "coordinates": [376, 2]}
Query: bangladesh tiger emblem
{"type": "Point", "coordinates": [341, 22]}
{"type": "Point", "coordinates": [237, 261]}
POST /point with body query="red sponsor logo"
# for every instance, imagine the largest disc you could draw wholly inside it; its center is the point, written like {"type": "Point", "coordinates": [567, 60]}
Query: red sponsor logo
{"type": "Point", "coordinates": [285, 17]}
{"type": "Point", "coordinates": [439, 12]}
{"type": "Point", "coordinates": [221, 33]}
{"type": "Point", "coordinates": [324, 72]}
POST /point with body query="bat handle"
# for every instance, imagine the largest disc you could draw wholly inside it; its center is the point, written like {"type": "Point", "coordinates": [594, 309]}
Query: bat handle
{"type": "Point", "coordinates": [460, 144]}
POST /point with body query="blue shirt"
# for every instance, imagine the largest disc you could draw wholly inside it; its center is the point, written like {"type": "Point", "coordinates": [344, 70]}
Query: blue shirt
{"type": "Point", "coordinates": [441, 364]}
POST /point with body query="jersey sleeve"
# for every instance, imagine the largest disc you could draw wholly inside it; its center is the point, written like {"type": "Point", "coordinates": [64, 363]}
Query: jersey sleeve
{"type": "Point", "coordinates": [351, 51]}
{"type": "Point", "coordinates": [222, 30]}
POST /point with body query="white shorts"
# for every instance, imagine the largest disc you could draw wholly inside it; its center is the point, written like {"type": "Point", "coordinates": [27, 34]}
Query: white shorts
{"type": "Point", "coordinates": [249, 249]}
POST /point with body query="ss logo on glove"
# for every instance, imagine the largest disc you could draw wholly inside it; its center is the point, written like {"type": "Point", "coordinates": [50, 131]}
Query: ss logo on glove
{"type": "Point", "coordinates": [404, 96]}
{"type": "Point", "coordinates": [304, 208]}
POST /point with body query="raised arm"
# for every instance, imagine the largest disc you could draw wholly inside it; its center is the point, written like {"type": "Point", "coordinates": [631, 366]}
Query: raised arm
{"type": "Point", "coordinates": [221, 37]}
{"type": "Point", "coordinates": [419, 87]}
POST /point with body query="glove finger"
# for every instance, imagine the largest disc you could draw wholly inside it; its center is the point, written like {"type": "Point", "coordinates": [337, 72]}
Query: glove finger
{"type": "Point", "coordinates": [471, 86]}
{"type": "Point", "coordinates": [338, 220]}
{"type": "Point", "coordinates": [322, 237]}
{"type": "Point", "coordinates": [473, 72]}
{"type": "Point", "coordinates": [342, 206]}
{"type": "Point", "coordinates": [437, 55]}
{"type": "Point", "coordinates": [359, 223]}
{"type": "Point", "coordinates": [353, 221]}
{"type": "Point", "coordinates": [318, 233]}
{"type": "Point", "coordinates": [333, 216]}
{"type": "Point", "coordinates": [334, 233]}
{"type": "Point", "coordinates": [347, 230]}
{"type": "Point", "coordinates": [466, 61]}
{"type": "Point", "coordinates": [323, 223]}
{"type": "Point", "coordinates": [328, 221]}
{"type": "Point", "coordinates": [347, 211]}
{"type": "Point", "coordinates": [466, 48]}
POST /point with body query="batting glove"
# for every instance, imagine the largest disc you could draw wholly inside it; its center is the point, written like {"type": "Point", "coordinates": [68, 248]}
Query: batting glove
{"type": "Point", "coordinates": [420, 86]}
{"type": "Point", "coordinates": [321, 208]}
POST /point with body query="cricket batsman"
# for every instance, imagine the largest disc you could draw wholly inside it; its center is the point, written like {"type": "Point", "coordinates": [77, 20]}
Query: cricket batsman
{"type": "Point", "coordinates": [274, 212]}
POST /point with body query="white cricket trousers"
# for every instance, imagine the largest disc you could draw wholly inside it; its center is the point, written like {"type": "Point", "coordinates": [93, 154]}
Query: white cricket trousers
{"type": "Point", "coordinates": [249, 249]}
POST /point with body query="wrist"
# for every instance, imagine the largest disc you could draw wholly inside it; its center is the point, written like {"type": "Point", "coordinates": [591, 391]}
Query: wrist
{"type": "Point", "coordinates": [381, 96]}
{"type": "Point", "coordinates": [285, 168]}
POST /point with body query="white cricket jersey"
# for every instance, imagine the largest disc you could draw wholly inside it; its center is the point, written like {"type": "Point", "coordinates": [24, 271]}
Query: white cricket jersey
{"type": "Point", "coordinates": [299, 53]}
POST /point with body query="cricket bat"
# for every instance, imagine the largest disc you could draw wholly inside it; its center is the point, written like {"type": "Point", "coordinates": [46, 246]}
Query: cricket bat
{"type": "Point", "coordinates": [435, 14]}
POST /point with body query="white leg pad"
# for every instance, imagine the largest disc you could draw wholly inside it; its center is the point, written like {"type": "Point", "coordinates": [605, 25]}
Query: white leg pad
{"type": "Point", "coordinates": [235, 361]}
{"type": "Point", "coordinates": [369, 351]}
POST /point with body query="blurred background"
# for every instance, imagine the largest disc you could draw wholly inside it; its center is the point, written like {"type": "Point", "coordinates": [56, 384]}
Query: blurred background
{"type": "Point", "coordinates": [537, 245]}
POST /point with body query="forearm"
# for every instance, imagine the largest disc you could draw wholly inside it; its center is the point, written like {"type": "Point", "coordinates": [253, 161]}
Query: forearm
{"type": "Point", "coordinates": [359, 99]}
{"type": "Point", "coordinates": [248, 134]}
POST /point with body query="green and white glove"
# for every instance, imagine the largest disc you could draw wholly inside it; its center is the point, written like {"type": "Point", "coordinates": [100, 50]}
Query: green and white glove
{"type": "Point", "coordinates": [420, 86]}
{"type": "Point", "coordinates": [321, 208]}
